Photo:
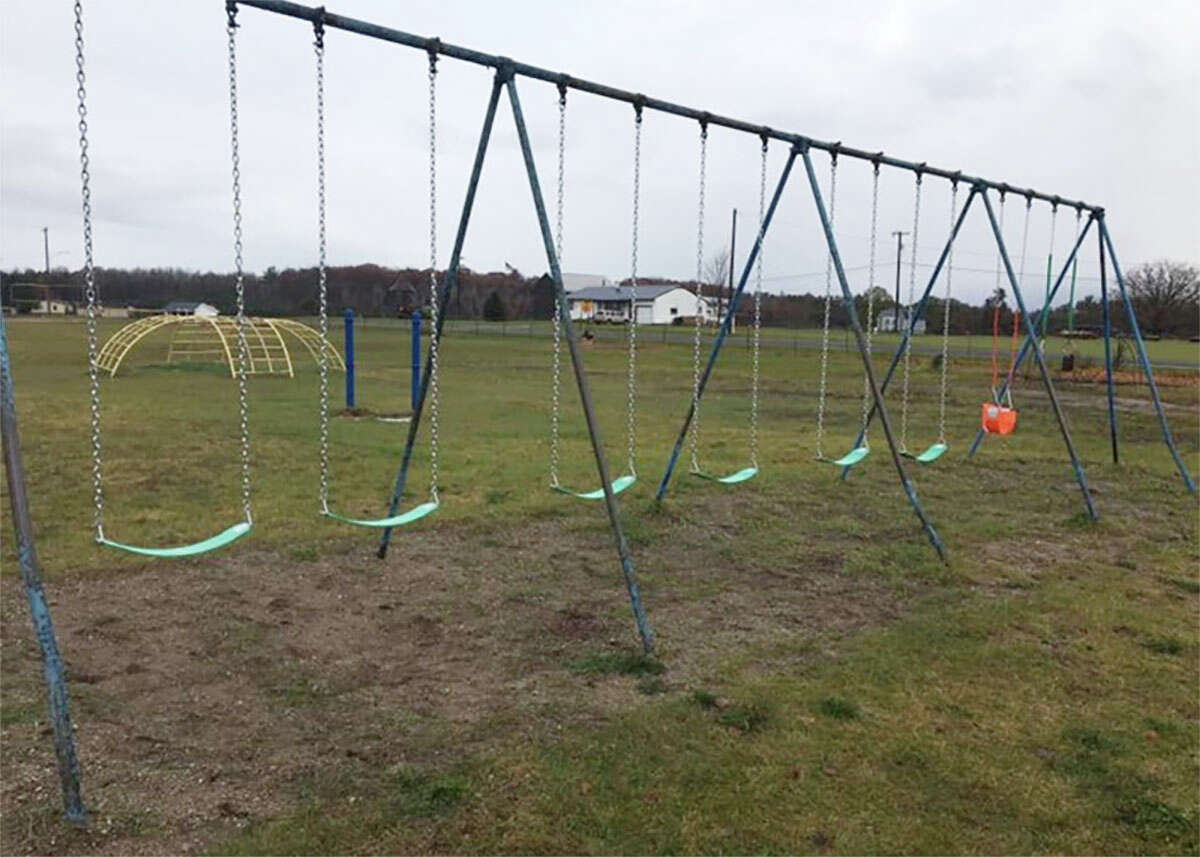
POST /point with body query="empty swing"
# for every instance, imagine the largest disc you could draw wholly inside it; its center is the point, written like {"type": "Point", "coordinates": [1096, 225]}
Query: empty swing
{"type": "Point", "coordinates": [750, 472]}
{"type": "Point", "coordinates": [629, 478]}
{"type": "Point", "coordinates": [862, 450]}
{"type": "Point", "coordinates": [421, 510]}
{"type": "Point", "coordinates": [938, 448]}
{"type": "Point", "coordinates": [235, 532]}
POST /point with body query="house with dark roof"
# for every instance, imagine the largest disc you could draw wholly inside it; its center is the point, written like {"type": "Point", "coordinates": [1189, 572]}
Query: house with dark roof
{"type": "Point", "coordinates": [658, 304]}
{"type": "Point", "coordinates": [191, 308]}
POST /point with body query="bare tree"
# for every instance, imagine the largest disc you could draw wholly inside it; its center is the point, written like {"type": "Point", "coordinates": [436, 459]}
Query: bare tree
{"type": "Point", "coordinates": [716, 273]}
{"type": "Point", "coordinates": [1166, 295]}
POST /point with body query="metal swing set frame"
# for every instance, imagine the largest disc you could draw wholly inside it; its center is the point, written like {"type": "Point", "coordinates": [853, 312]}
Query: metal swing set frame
{"type": "Point", "coordinates": [506, 73]}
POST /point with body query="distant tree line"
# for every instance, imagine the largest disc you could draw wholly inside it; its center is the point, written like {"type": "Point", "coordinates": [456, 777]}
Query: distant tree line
{"type": "Point", "coordinates": [1166, 296]}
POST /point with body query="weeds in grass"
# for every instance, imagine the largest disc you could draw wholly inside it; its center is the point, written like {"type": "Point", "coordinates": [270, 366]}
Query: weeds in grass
{"type": "Point", "coordinates": [838, 708]}
{"type": "Point", "coordinates": [704, 699]}
{"type": "Point", "coordinates": [1163, 645]}
{"type": "Point", "coordinates": [617, 663]}
{"type": "Point", "coordinates": [651, 686]}
{"type": "Point", "coordinates": [751, 717]}
{"type": "Point", "coordinates": [1186, 584]}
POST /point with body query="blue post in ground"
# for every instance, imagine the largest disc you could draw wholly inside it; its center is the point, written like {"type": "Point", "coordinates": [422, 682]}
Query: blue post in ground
{"type": "Point", "coordinates": [348, 350]}
{"type": "Point", "coordinates": [416, 358]}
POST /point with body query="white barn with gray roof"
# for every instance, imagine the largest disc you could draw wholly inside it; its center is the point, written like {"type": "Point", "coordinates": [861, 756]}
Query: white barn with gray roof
{"type": "Point", "coordinates": [654, 304]}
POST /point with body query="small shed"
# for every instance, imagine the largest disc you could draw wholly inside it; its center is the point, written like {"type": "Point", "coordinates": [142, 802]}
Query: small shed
{"type": "Point", "coordinates": [193, 308]}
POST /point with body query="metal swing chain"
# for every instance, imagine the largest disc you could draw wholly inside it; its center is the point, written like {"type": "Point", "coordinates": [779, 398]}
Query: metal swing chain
{"type": "Point", "coordinates": [89, 281]}
{"type": "Point", "coordinates": [433, 283]}
{"type": "Point", "coordinates": [758, 278]}
{"type": "Point", "coordinates": [322, 278]}
{"type": "Point", "coordinates": [631, 414]}
{"type": "Point", "coordinates": [909, 321]}
{"type": "Point", "coordinates": [695, 427]}
{"type": "Point", "coordinates": [243, 408]}
{"type": "Point", "coordinates": [1043, 318]}
{"type": "Point", "coordinates": [828, 299]}
{"type": "Point", "coordinates": [866, 405]}
{"type": "Point", "coordinates": [946, 317]}
{"type": "Point", "coordinates": [556, 371]}
{"type": "Point", "coordinates": [996, 308]}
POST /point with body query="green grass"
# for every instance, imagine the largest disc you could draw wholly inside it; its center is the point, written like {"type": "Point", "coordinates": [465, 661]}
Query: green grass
{"type": "Point", "coordinates": [1037, 695]}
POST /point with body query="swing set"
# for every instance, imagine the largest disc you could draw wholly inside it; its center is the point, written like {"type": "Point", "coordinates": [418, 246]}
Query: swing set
{"type": "Point", "coordinates": [994, 414]}
{"type": "Point", "coordinates": [506, 74]}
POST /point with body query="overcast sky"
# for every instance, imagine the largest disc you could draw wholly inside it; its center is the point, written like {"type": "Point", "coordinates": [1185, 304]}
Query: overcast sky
{"type": "Point", "coordinates": [1090, 100]}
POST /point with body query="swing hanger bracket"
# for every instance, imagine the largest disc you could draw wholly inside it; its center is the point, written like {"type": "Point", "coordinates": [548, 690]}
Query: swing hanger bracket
{"type": "Point", "coordinates": [920, 171]}
{"type": "Point", "coordinates": [433, 47]}
{"type": "Point", "coordinates": [765, 134]}
{"type": "Point", "coordinates": [704, 118]}
{"type": "Point", "coordinates": [877, 161]}
{"type": "Point", "coordinates": [319, 28]}
{"type": "Point", "coordinates": [564, 83]}
{"type": "Point", "coordinates": [639, 103]}
{"type": "Point", "coordinates": [955, 179]}
{"type": "Point", "coordinates": [231, 10]}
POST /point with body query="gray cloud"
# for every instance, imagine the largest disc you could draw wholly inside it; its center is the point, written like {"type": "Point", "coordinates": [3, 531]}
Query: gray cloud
{"type": "Point", "coordinates": [1090, 100]}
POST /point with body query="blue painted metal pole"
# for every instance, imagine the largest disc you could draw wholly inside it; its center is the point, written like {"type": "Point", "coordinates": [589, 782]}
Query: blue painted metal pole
{"type": "Point", "coordinates": [915, 316]}
{"type": "Point", "coordinates": [39, 610]}
{"type": "Point", "coordinates": [585, 396]}
{"type": "Point", "coordinates": [415, 337]}
{"type": "Point", "coordinates": [726, 324]}
{"type": "Point", "coordinates": [448, 284]}
{"type": "Point", "coordinates": [1027, 344]}
{"type": "Point", "coordinates": [348, 352]}
{"type": "Point", "coordinates": [1031, 333]}
{"type": "Point", "coordinates": [1108, 365]}
{"type": "Point", "coordinates": [848, 302]}
{"type": "Point", "coordinates": [1141, 347]}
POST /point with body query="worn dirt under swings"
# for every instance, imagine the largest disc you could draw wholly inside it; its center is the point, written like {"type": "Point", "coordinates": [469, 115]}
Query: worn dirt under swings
{"type": "Point", "coordinates": [206, 694]}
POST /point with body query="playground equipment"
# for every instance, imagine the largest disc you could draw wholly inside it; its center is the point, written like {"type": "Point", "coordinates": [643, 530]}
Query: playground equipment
{"type": "Point", "coordinates": [201, 339]}
{"type": "Point", "coordinates": [506, 73]}
{"type": "Point", "coordinates": [92, 296]}
{"type": "Point", "coordinates": [696, 470]}
{"type": "Point", "coordinates": [860, 450]}
{"type": "Point", "coordinates": [621, 482]}
{"type": "Point", "coordinates": [392, 519]}
{"type": "Point", "coordinates": [938, 448]}
{"type": "Point", "coordinates": [997, 418]}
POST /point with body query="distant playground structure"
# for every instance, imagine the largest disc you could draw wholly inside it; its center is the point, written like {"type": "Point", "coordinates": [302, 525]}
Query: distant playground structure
{"type": "Point", "coordinates": [205, 339]}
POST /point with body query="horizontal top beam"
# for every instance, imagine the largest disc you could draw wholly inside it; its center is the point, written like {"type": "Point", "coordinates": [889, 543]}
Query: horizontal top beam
{"type": "Point", "coordinates": [440, 48]}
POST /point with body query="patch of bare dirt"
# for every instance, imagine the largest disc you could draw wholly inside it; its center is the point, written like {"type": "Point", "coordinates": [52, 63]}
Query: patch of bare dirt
{"type": "Point", "coordinates": [206, 694]}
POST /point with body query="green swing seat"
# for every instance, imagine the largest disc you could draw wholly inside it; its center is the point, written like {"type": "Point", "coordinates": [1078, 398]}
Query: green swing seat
{"type": "Point", "coordinates": [732, 479]}
{"type": "Point", "coordinates": [414, 514]}
{"type": "Point", "coordinates": [618, 485]}
{"type": "Point", "coordinates": [932, 454]}
{"type": "Point", "coordinates": [210, 544]}
{"type": "Point", "coordinates": [851, 458]}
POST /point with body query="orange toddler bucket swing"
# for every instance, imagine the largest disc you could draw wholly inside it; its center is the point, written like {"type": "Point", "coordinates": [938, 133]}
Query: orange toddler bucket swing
{"type": "Point", "coordinates": [996, 417]}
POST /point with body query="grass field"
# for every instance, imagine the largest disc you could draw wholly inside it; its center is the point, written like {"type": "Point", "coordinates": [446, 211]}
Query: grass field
{"type": "Point", "coordinates": [823, 683]}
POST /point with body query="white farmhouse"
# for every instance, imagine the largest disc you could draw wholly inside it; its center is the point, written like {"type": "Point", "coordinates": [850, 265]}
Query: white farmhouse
{"type": "Point", "coordinates": [885, 322]}
{"type": "Point", "coordinates": [653, 304]}
{"type": "Point", "coordinates": [202, 310]}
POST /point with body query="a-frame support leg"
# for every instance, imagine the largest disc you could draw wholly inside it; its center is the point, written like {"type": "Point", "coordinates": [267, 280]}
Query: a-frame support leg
{"type": "Point", "coordinates": [876, 393]}
{"type": "Point", "coordinates": [1141, 349]}
{"type": "Point", "coordinates": [585, 396]}
{"type": "Point", "coordinates": [1031, 333]}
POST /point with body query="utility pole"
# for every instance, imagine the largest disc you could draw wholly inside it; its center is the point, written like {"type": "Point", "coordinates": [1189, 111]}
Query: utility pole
{"type": "Point", "coordinates": [46, 244]}
{"type": "Point", "coordinates": [732, 246]}
{"type": "Point", "coordinates": [899, 247]}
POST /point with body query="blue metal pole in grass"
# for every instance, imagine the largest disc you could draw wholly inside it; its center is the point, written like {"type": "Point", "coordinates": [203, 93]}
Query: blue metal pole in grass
{"type": "Point", "coordinates": [416, 358]}
{"type": "Point", "coordinates": [348, 351]}
{"type": "Point", "coordinates": [872, 381]}
{"type": "Point", "coordinates": [726, 324]}
{"type": "Point", "coordinates": [1141, 347]}
{"type": "Point", "coordinates": [916, 316]}
{"type": "Point", "coordinates": [585, 396]}
{"type": "Point", "coordinates": [1031, 333]}
{"type": "Point", "coordinates": [448, 284]}
{"type": "Point", "coordinates": [1027, 344]}
{"type": "Point", "coordinates": [1108, 365]}
{"type": "Point", "coordinates": [39, 610]}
